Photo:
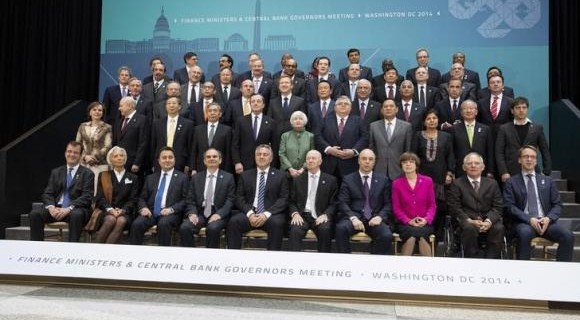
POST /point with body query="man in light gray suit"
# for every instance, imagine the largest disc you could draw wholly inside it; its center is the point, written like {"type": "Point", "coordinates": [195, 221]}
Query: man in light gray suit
{"type": "Point", "coordinates": [389, 138]}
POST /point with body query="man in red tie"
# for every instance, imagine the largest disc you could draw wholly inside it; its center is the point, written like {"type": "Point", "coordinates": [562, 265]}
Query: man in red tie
{"type": "Point", "coordinates": [494, 110]}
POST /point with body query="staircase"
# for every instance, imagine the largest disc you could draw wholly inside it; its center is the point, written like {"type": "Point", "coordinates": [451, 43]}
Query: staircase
{"type": "Point", "coordinates": [569, 218]}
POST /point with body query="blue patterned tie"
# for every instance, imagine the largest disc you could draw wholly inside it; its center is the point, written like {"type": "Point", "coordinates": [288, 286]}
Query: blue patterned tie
{"type": "Point", "coordinates": [532, 197]}
{"type": "Point", "coordinates": [66, 194]}
{"type": "Point", "coordinates": [261, 192]}
{"type": "Point", "coordinates": [159, 197]}
{"type": "Point", "coordinates": [367, 208]}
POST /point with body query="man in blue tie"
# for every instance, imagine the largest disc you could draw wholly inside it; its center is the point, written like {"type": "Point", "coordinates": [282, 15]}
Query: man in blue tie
{"type": "Point", "coordinates": [162, 201]}
{"type": "Point", "coordinates": [67, 197]}
{"type": "Point", "coordinates": [364, 204]}
{"type": "Point", "coordinates": [262, 198]}
{"type": "Point", "coordinates": [533, 203]}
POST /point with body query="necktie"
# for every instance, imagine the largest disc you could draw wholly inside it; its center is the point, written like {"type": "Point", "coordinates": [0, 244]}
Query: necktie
{"type": "Point", "coordinates": [422, 96]}
{"type": "Point", "coordinates": [494, 110]}
{"type": "Point", "coordinates": [341, 126]}
{"type": "Point", "coordinates": [255, 127]}
{"type": "Point", "coordinates": [312, 195]}
{"type": "Point", "coordinates": [208, 197]}
{"type": "Point", "coordinates": [159, 196]}
{"type": "Point", "coordinates": [367, 208]}
{"type": "Point", "coordinates": [247, 108]}
{"type": "Point", "coordinates": [155, 87]}
{"type": "Point", "coordinates": [124, 92]}
{"type": "Point", "coordinates": [66, 194]}
{"type": "Point", "coordinates": [324, 109]}
{"type": "Point", "coordinates": [476, 186]}
{"type": "Point", "coordinates": [407, 113]}
{"type": "Point", "coordinates": [390, 94]}
{"type": "Point", "coordinates": [170, 132]}
{"type": "Point", "coordinates": [256, 85]}
{"type": "Point", "coordinates": [362, 110]}
{"type": "Point", "coordinates": [389, 131]}
{"type": "Point", "coordinates": [470, 134]}
{"type": "Point", "coordinates": [532, 197]}
{"type": "Point", "coordinates": [352, 90]}
{"type": "Point", "coordinates": [124, 125]}
{"type": "Point", "coordinates": [454, 107]}
{"type": "Point", "coordinates": [211, 134]}
{"type": "Point", "coordinates": [285, 105]}
{"type": "Point", "coordinates": [261, 192]}
{"type": "Point", "coordinates": [226, 93]}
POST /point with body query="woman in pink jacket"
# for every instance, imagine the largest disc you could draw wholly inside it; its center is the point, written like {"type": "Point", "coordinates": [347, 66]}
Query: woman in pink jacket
{"type": "Point", "coordinates": [413, 206]}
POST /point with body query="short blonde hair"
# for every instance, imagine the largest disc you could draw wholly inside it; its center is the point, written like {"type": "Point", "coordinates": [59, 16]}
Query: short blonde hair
{"type": "Point", "coordinates": [114, 150]}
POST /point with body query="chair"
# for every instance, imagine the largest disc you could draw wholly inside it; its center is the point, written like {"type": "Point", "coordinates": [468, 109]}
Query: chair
{"type": "Point", "coordinates": [255, 234]}
{"type": "Point", "coordinates": [545, 244]}
{"type": "Point", "coordinates": [397, 239]}
{"type": "Point", "coordinates": [60, 226]}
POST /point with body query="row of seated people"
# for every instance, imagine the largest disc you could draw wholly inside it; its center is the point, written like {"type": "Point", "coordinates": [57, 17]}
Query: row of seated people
{"type": "Point", "coordinates": [364, 202]}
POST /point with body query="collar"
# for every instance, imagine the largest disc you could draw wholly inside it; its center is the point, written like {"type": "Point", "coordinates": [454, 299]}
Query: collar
{"type": "Point", "coordinates": [521, 124]}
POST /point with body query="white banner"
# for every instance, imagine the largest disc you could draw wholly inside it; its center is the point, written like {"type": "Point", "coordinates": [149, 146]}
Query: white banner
{"type": "Point", "coordinates": [533, 280]}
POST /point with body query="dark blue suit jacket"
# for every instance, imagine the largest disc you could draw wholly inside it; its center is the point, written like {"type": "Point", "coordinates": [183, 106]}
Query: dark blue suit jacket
{"type": "Point", "coordinates": [351, 199]}
{"type": "Point", "coordinates": [515, 196]}
{"type": "Point", "coordinates": [182, 140]}
{"type": "Point", "coordinates": [276, 197]}
{"type": "Point", "coordinates": [176, 193]}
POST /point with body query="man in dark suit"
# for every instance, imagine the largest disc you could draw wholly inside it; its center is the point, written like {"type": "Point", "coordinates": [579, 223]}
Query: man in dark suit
{"type": "Point", "coordinates": [485, 92]}
{"type": "Point", "coordinates": [225, 62]}
{"type": "Point", "coordinates": [368, 110]}
{"type": "Point", "coordinates": [67, 197]}
{"type": "Point", "coordinates": [181, 75]}
{"type": "Point", "coordinates": [282, 106]}
{"type": "Point", "coordinates": [379, 80]}
{"type": "Point", "coordinates": [449, 108]}
{"type": "Point", "coordinates": [390, 88]}
{"type": "Point", "coordinates": [349, 86]}
{"type": "Point", "coordinates": [323, 68]}
{"type": "Point", "coordinates": [132, 134]}
{"type": "Point", "coordinates": [476, 203]}
{"type": "Point", "coordinates": [162, 201]}
{"type": "Point", "coordinates": [422, 56]}
{"type": "Point", "coordinates": [152, 62]}
{"type": "Point", "coordinates": [340, 139]}
{"type": "Point", "coordinates": [410, 110]}
{"type": "Point", "coordinates": [469, 75]}
{"type": "Point", "coordinates": [221, 140]}
{"type": "Point", "coordinates": [251, 131]}
{"type": "Point", "coordinates": [289, 67]}
{"type": "Point", "coordinates": [262, 198]}
{"type": "Point", "coordinates": [197, 110]}
{"type": "Point", "coordinates": [424, 93]}
{"type": "Point", "coordinates": [142, 105]}
{"type": "Point", "coordinates": [468, 89]}
{"type": "Point", "coordinates": [471, 136]}
{"type": "Point", "coordinates": [251, 73]}
{"type": "Point", "coordinates": [364, 203]}
{"type": "Point", "coordinates": [156, 91]}
{"type": "Point", "coordinates": [113, 95]}
{"type": "Point", "coordinates": [353, 56]}
{"type": "Point", "coordinates": [210, 202]}
{"type": "Point", "coordinates": [225, 91]}
{"type": "Point", "coordinates": [241, 107]}
{"type": "Point", "coordinates": [312, 204]}
{"type": "Point", "coordinates": [494, 110]}
{"type": "Point", "coordinates": [318, 110]}
{"type": "Point", "coordinates": [262, 80]}
{"type": "Point", "coordinates": [513, 135]}
{"type": "Point", "coordinates": [533, 203]}
{"type": "Point", "coordinates": [298, 82]}
{"type": "Point", "coordinates": [174, 131]}
{"type": "Point", "coordinates": [389, 149]}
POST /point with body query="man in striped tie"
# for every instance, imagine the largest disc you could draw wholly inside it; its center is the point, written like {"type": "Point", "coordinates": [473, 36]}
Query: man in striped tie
{"type": "Point", "coordinates": [262, 198]}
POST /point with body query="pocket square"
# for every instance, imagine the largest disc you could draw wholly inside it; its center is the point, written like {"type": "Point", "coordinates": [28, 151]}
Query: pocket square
{"type": "Point", "coordinates": [128, 181]}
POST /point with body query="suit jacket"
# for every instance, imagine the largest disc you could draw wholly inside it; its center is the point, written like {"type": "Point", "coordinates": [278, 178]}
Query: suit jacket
{"type": "Point", "coordinates": [222, 141]}
{"type": "Point", "coordinates": [315, 119]}
{"type": "Point", "coordinates": [158, 99]}
{"type": "Point", "coordinates": [194, 97]}
{"type": "Point", "coordinates": [293, 149]}
{"type": "Point", "coordinates": [443, 108]}
{"type": "Point", "coordinates": [125, 193]}
{"type": "Point", "coordinates": [241, 77]}
{"type": "Point", "coordinates": [135, 140]}
{"type": "Point", "coordinates": [234, 111]}
{"type": "Point", "coordinates": [223, 198]}
{"type": "Point", "coordinates": [434, 76]}
{"type": "Point", "coordinates": [379, 80]}
{"type": "Point", "coordinates": [516, 197]}
{"type": "Point", "coordinates": [276, 197]}
{"type": "Point", "coordinates": [431, 96]}
{"type": "Point", "coordinates": [325, 202]}
{"type": "Point", "coordinates": [180, 75]}
{"type": "Point", "coordinates": [484, 114]}
{"type": "Point", "coordinates": [244, 145]}
{"type": "Point", "coordinates": [266, 85]}
{"type": "Point", "coordinates": [176, 192]}
{"type": "Point", "coordinates": [415, 114]}
{"type": "Point", "coordinates": [149, 79]}
{"type": "Point", "coordinates": [411, 203]}
{"type": "Point", "coordinates": [381, 93]}
{"type": "Point", "coordinates": [468, 76]}
{"type": "Point", "coordinates": [298, 88]}
{"type": "Point", "coordinates": [312, 88]}
{"type": "Point", "coordinates": [195, 112]}
{"type": "Point", "coordinates": [388, 153]}
{"type": "Point", "coordinates": [182, 140]}
{"type": "Point", "coordinates": [482, 144]}
{"type": "Point", "coordinates": [111, 99]}
{"type": "Point", "coordinates": [372, 111]}
{"type": "Point", "coordinates": [468, 91]}
{"type": "Point", "coordinates": [80, 191]}
{"type": "Point", "coordinates": [298, 74]}
{"type": "Point", "coordinates": [508, 144]}
{"type": "Point", "coordinates": [145, 107]}
{"type": "Point", "coordinates": [282, 117]}
{"type": "Point", "coordinates": [365, 73]}
{"type": "Point", "coordinates": [351, 199]}
{"type": "Point", "coordinates": [464, 202]}
{"type": "Point", "coordinates": [485, 94]}
{"type": "Point", "coordinates": [354, 136]}
{"type": "Point", "coordinates": [220, 97]}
